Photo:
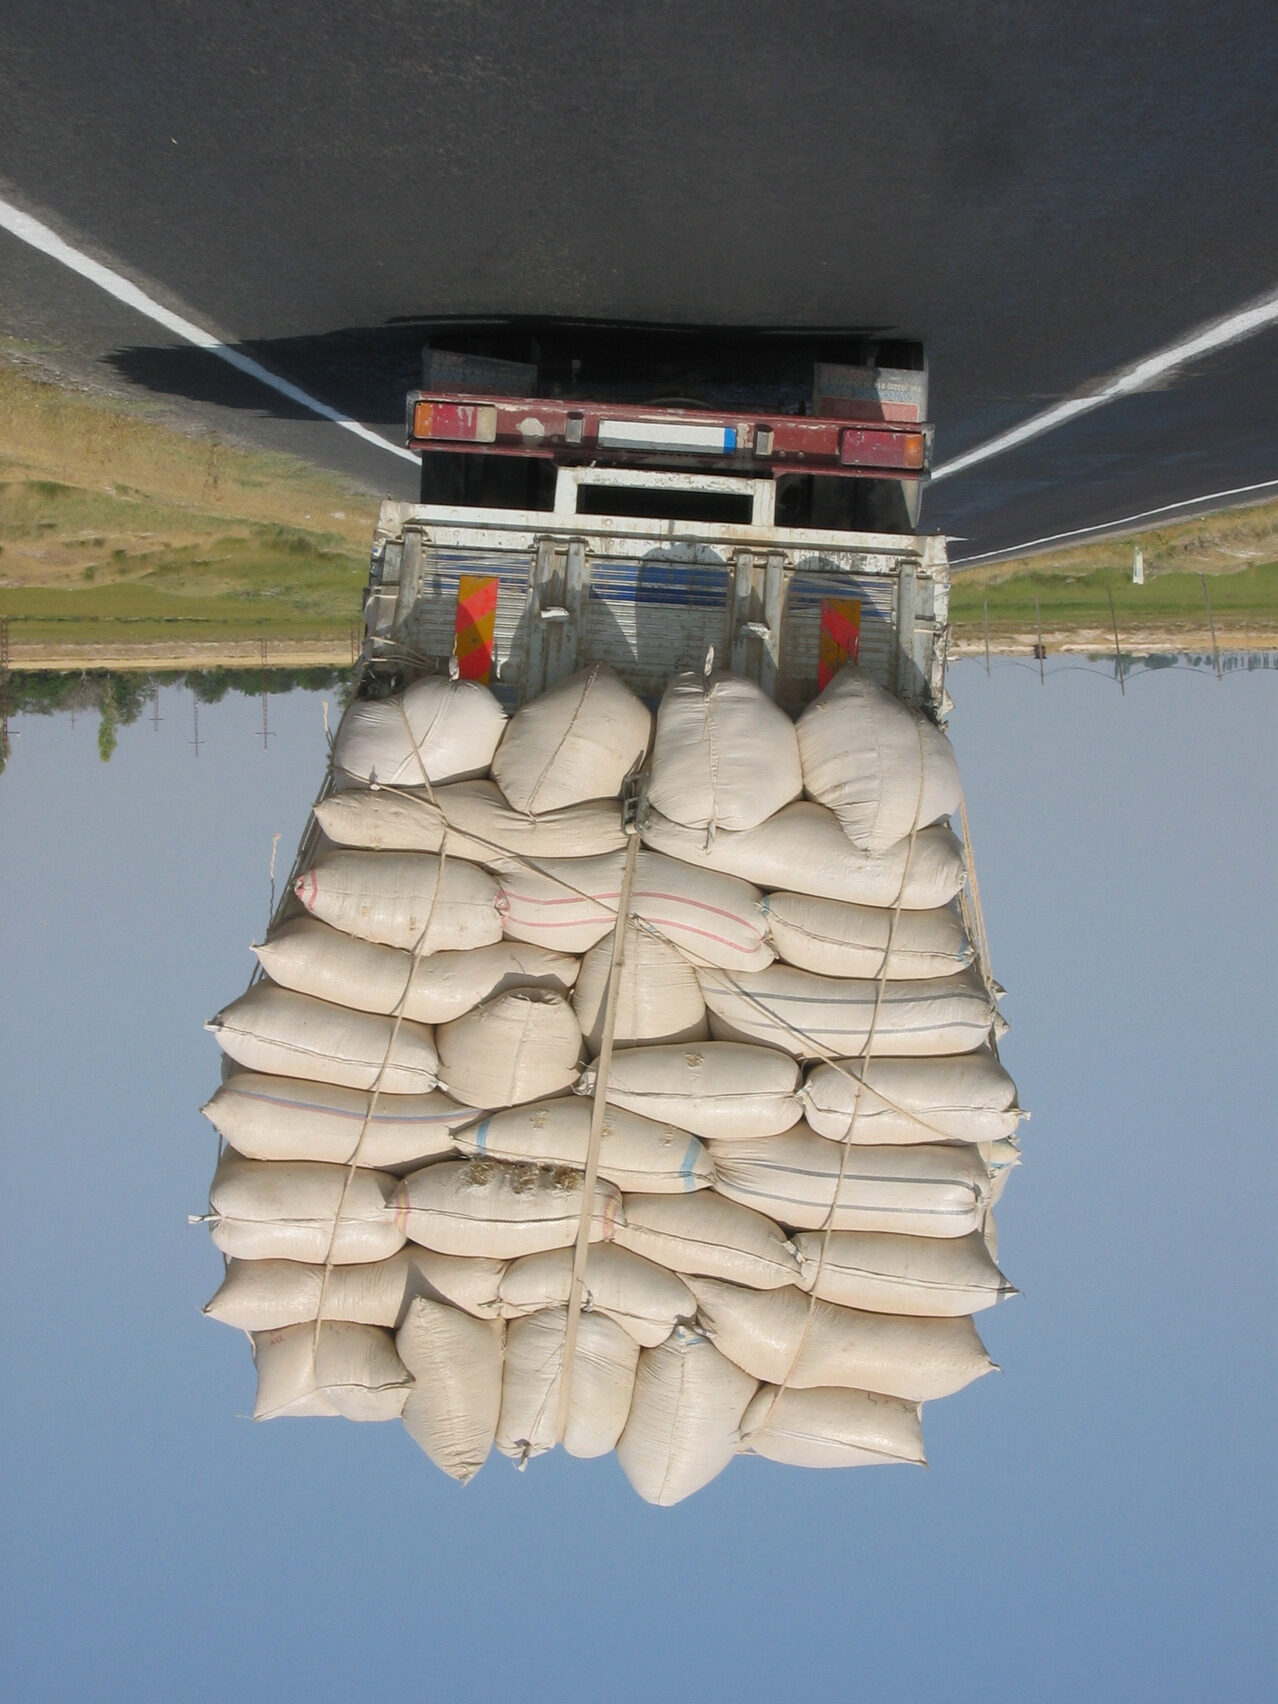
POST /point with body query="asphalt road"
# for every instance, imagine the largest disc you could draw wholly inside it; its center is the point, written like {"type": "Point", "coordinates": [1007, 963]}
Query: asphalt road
{"type": "Point", "coordinates": [1042, 193]}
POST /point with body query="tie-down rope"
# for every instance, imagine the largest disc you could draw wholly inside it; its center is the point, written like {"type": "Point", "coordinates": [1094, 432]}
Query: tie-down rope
{"type": "Point", "coordinates": [417, 953]}
{"type": "Point", "coordinates": [811, 1048]}
{"type": "Point", "coordinates": [865, 1055]}
{"type": "Point", "coordinates": [598, 1111]}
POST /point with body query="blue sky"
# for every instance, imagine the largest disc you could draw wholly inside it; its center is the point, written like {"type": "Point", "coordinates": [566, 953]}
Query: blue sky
{"type": "Point", "coordinates": [1097, 1520]}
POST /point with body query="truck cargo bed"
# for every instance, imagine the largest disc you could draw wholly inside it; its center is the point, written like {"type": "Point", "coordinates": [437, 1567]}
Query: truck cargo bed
{"type": "Point", "coordinates": [522, 599]}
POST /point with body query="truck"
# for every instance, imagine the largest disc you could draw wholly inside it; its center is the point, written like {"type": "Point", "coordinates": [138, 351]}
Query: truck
{"type": "Point", "coordinates": [424, 1191]}
{"type": "Point", "coordinates": [653, 497]}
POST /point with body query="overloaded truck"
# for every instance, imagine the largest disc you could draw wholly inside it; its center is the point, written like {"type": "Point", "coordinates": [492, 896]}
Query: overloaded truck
{"type": "Point", "coordinates": [621, 1067]}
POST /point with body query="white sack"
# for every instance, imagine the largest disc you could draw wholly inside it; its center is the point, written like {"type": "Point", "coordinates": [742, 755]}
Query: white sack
{"type": "Point", "coordinates": [287, 1118]}
{"type": "Point", "coordinates": [836, 939]}
{"type": "Point", "coordinates": [634, 1152]}
{"type": "Point", "coordinates": [471, 1282]}
{"type": "Point", "coordinates": [716, 1089]}
{"type": "Point", "coordinates": [724, 755]}
{"type": "Point", "coordinates": [292, 1035]}
{"type": "Point", "coordinates": [404, 899]}
{"type": "Point", "coordinates": [306, 955]}
{"type": "Point", "coordinates": [518, 1046]}
{"type": "Point", "coordinates": [570, 904]}
{"type": "Point", "coordinates": [762, 1331]}
{"type": "Point", "coordinates": [939, 1277]}
{"type": "Point", "coordinates": [351, 1370]}
{"type": "Point", "coordinates": [967, 1097]}
{"type": "Point", "coordinates": [708, 1234]}
{"type": "Point", "coordinates": [832, 1428]}
{"type": "Point", "coordinates": [500, 1210]}
{"type": "Point", "coordinates": [684, 1425]}
{"type": "Point", "coordinates": [603, 1382]}
{"type": "Point", "coordinates": [881, 768]}
{"type": "Point", "coordinates": [469, 820]}
{"type": "Point", "coordinates": [285, 1211]}
{"type": "Point", "coordinates": [816, 1016]}
{"type": "Point", "coordinates": [456, 1362]}
{"type": "Point", "coordinates": [658, 995]}
{"type": "Point", "coordinates": [437, 730]}
{"type": "Point", "coordinates": [803, 849]}
{"type": "Point", "coordinates": [644, 1299]}
{"type": "Point", "coordinates": [577, 741]}
{"type": "Point", "coordinates": [937, 1190]}
{"type": "Point", "coordinates": [265, 1295]}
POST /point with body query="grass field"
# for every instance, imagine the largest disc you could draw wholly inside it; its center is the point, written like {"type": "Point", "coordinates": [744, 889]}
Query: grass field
{"type": "Point", "coordinates": [1235, 551]}
{"type": "Point", "coordinates": [118, 530]}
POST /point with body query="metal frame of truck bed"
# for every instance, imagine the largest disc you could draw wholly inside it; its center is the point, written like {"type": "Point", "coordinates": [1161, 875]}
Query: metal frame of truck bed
{"type": "Point", "coordinates": [652, 597]}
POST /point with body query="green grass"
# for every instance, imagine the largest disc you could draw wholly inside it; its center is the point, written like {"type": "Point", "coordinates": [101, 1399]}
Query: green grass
{"type": "Point", "coordinates": [1247, 596]}
{"type": "Point", "coordinates": [120, 530]}
{"type": "Point", "coordinates": [268, 584]}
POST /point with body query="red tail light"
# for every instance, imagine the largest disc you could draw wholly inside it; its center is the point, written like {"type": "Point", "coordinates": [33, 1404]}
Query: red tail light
{"type": "Point", "coordinates": [456, 422]}
{"type": "Point", "coordinates": [862, 446]}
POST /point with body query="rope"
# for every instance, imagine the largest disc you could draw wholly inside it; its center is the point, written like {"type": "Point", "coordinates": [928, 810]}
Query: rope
{"type": "Point", "coordinates": [599, 1106]}
{"type": "Point", "coordinates": [352, 1164]}
{"type": "Point", "coordinates": [865, 1055]}
{"type": "Point", "coordinates": [811, 1048]}
{"type": "Point", "coordinates": [275, 844]}
{"type": "Point", "coordinates": [975, 922]}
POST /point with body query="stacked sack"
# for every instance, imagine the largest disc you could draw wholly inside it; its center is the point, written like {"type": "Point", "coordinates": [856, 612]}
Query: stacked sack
{"type": "Point", "coordinates": [806, 1120]}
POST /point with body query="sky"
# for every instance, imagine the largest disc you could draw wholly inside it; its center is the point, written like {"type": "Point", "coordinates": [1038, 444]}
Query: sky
{"type": "Point", "coordinates": [1097, 1519]}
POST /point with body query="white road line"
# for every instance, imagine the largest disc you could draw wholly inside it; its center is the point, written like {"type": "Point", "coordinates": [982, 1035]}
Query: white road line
{"type": "Point", "coordinates": [29, 230]}
{"type": "Point", "coordinates": [1109, 526]}
{"type": "Point", "coordinates": [1246, 323]}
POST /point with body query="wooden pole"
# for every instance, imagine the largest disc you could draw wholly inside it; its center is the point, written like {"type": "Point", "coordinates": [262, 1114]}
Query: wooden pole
{"type": "Point", "coordinates": [1211, 622]}
{"type": "Point", "coordinates": [1118, 655]}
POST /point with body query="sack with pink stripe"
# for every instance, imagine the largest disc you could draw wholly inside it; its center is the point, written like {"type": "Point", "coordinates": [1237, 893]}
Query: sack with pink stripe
{"type": "Point", "coordinates": [571, 903]}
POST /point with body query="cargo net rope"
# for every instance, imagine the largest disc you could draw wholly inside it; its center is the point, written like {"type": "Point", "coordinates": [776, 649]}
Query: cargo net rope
{"type": "Point", "coordinates": [621, 1082]}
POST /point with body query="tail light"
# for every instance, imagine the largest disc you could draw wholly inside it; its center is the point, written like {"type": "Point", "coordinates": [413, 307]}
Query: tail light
{"type": "Point", "coordinates": [862, 446]}
{"type": "Point", "coordinates": [455, 422]}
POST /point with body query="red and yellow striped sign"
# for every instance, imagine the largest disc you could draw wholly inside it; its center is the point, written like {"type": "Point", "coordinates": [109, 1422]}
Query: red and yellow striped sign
{"type": "Point", "coordinates": [476, 619]}
{"type": "Point", "coordinates": [840, 637]}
